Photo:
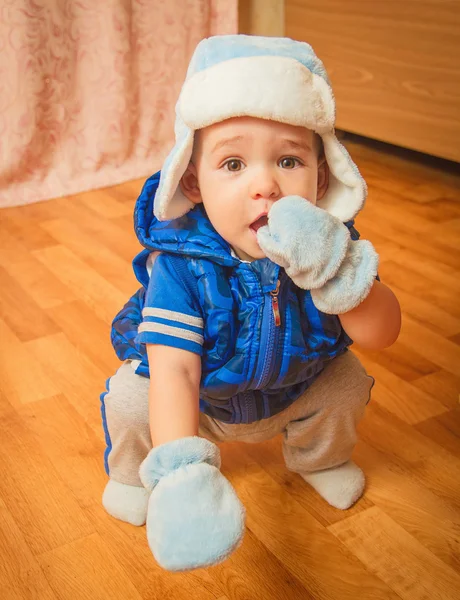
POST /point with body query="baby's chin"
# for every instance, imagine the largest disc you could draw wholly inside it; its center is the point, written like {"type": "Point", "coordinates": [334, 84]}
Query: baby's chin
{"type": "Point", "coordinates": [259, 255]}
{"type": "Point", "coordinates": [250, 254]}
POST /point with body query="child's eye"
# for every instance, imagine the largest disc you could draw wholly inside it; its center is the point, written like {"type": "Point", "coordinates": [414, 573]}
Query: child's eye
{"type": "Point", "coordinates": [233, 165]}
{"type": "Point", "coordinates": [289, 162]}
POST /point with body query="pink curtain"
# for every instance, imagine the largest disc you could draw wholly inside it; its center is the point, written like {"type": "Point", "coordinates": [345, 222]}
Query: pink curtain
{"type": "Point", "coordinates": [87, 89]}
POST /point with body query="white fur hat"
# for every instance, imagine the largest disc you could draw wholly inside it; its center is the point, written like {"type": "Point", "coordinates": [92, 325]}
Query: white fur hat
{"type": "Point", "coordinates": [271, 78]}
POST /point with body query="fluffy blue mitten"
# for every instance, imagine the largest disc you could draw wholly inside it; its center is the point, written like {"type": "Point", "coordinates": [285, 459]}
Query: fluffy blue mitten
{"type": "Point", "coordinates": [353, 281]}
{"type": "Point", "coordinates": [318, 254]}
{"type": "Point", "coordinates": [194, 517]}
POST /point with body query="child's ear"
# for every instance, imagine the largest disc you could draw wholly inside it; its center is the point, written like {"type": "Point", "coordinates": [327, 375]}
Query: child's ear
{"type": "Point", "coordinates": [323, 178]}
{"type": "Point", "coordinates": [189, 184]}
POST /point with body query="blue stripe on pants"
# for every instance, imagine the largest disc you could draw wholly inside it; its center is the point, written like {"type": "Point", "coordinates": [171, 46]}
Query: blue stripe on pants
{"type": "Point", "coordinates": [108, 441]}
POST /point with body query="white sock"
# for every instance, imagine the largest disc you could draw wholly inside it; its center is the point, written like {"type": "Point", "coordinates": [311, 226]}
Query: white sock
{"type": "Point", "coordinates": [126, 502]}
{"type": "Point", "coordinates": [340, 486]}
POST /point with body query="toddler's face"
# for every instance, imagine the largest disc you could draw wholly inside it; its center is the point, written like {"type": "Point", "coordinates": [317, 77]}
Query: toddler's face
{"type": "Point", "coordinates": [241, 166]}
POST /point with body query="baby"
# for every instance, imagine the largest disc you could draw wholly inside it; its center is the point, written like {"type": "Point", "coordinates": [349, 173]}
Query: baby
{"type": "Point", "coordinates": [253, 286]}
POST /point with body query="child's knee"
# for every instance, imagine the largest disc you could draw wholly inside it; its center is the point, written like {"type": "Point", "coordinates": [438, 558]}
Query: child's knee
{"type": "Point", "coordinates": [127, 400]}
{"type": "Point", "coordinates": [351, 382]}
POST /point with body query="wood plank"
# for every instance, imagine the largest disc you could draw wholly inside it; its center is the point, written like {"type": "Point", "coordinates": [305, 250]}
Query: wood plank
{"type": "Point", "coordinates": [432, 520]}
{"type": "Point", "coordinates": [419, 179]}
{"type": "Point", "coordinates": [444, 429]}
{"type": "Point", "coordinates": [430, 270]}
{"type": "Point", "coordinates": [77, 458]}
{"type": "Point", "coordinates": [105, 205]}
{"type": "Point", "coordinates": [400, 397]}
{"type": "Point", "coordinates": [21, 577]}
{"type": "Point", "coordinates": [384, 208]}
{"type": "Point", "coordinates": [438, 211]}
{"type": "Point", "coordinates": [87, 333]}
{"type": "Point", "coordinates": [244, 574]}
{"type": "Point", "coordinates": [20, 311]}
{"type": "Point", "coordinates": [43, 507]}
{"type": "Point", "coordinates": [437, 294]}
{"type": "Point", "coordinates": [94, 253]}
{"type": "Point", "coordinates": [427, 313]}
{"type": "Point", "coordinates": [90, 287]}
{"type": "Point", "coordinates": [36, 211]}
{"type": "Point", "coordinates": [295, 537]}
{"type": "Point", "coordinates": [116, 234]}
{"type": "Point", "coordinates": [30, 274]}
{"type": "Point", "coordinates": [22, 377]}
{"type": "Point", "coordinates": [85, 570]}
{"type": "Point", "coordinates": [26, 230]}
{"type": "Point", "coordinates": [440, 252]}
{"type": "Point", "coordinates": [455, 338]}
{"type": "Point", "coordinates": [269, 456]}
{"type": "Point", "coordinates": [441, 385]}
{"type": "Point", "coordinates": [126, 192]}
{"type": "Point", "coordinates": [437, 468]}
{"type": "Point", "coordinates": [383, 546]}
{"type": "Point", "coordinates": [79, 379]}
{"type": "Point", "coordinates": [400, 359]}
{"type": "Point", "coordinates": [128, 547]}
{"type": "Point", "coordinates": [5, 405]}
{"type": "Point", "coordinates": [434, 189]}
{"type": "Point", "coordinates": [432, 346]}
{"type": "Point", "coordinates": [448, 234]}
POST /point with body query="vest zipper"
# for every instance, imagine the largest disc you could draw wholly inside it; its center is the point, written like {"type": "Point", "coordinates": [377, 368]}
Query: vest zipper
{"type": "Point", "coordinates": [275, 305]}
{"type": "Point", "coordinates": [269, 343]}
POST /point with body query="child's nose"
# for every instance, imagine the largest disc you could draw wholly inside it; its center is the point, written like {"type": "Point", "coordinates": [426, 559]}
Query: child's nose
{"type": "Point", "coordinates": [264, 185]}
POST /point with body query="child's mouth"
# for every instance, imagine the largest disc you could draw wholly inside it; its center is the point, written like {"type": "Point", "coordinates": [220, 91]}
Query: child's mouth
{"type": "Point", "coordinates": [258, 223]}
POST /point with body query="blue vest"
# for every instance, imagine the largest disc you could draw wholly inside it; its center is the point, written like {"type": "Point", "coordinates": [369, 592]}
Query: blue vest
{"type": "Point", "coordinates": [261, 339]}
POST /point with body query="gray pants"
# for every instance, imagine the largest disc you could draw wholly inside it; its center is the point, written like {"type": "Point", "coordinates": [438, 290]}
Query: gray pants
{"type": "Point", "coordinates": [319, 428]}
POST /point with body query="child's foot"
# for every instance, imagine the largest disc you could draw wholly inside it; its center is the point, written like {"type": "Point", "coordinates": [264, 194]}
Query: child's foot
{"type": "Point", "coordinates": [126, 502]}
{"type": "Point", "coordinates": [340, 486]}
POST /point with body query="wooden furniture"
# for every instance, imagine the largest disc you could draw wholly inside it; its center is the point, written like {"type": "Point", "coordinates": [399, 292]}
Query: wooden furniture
{"type": "Point", "coordinates": [261, 17]}
{"type": "Point", "coordinates": [394, 67]}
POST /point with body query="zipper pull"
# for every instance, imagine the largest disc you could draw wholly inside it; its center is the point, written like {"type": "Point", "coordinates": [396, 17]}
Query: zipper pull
{"type": "Point", "coordinates": [275, 305]}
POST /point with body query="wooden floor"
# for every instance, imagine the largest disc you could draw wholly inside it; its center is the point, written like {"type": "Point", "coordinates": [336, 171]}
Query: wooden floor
{"type": "Point", "coordinates": [65, 272]}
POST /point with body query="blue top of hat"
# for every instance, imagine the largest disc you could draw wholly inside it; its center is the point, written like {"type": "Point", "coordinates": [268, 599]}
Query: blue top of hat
{"type": "Point", "coordinates": [220, 48]}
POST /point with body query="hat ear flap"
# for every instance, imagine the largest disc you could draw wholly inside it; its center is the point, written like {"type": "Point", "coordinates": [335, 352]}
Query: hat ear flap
{"type": "Point", "coordinates": [170, 202]}
{"type": "Point", "coordinates": [347, 189]}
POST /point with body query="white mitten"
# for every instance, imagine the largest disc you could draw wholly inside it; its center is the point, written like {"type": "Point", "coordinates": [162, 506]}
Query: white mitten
{"type": "Point", "coordinates": [318, 254]}
{"type": "Point", "coordinates": [194, 517]}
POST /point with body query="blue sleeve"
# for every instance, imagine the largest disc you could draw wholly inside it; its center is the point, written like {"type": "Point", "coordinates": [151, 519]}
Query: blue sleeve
{"type": "Point", "coordinates": [171, 315]}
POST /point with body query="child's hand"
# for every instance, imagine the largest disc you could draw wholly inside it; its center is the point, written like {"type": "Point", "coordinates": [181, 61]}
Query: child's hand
{"type": "Point", "coordinates": [318, 254]}
{"type": "Point", "coordinates": [194, 518]}
{"type": "Point", "coordinates": [304, 239]}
